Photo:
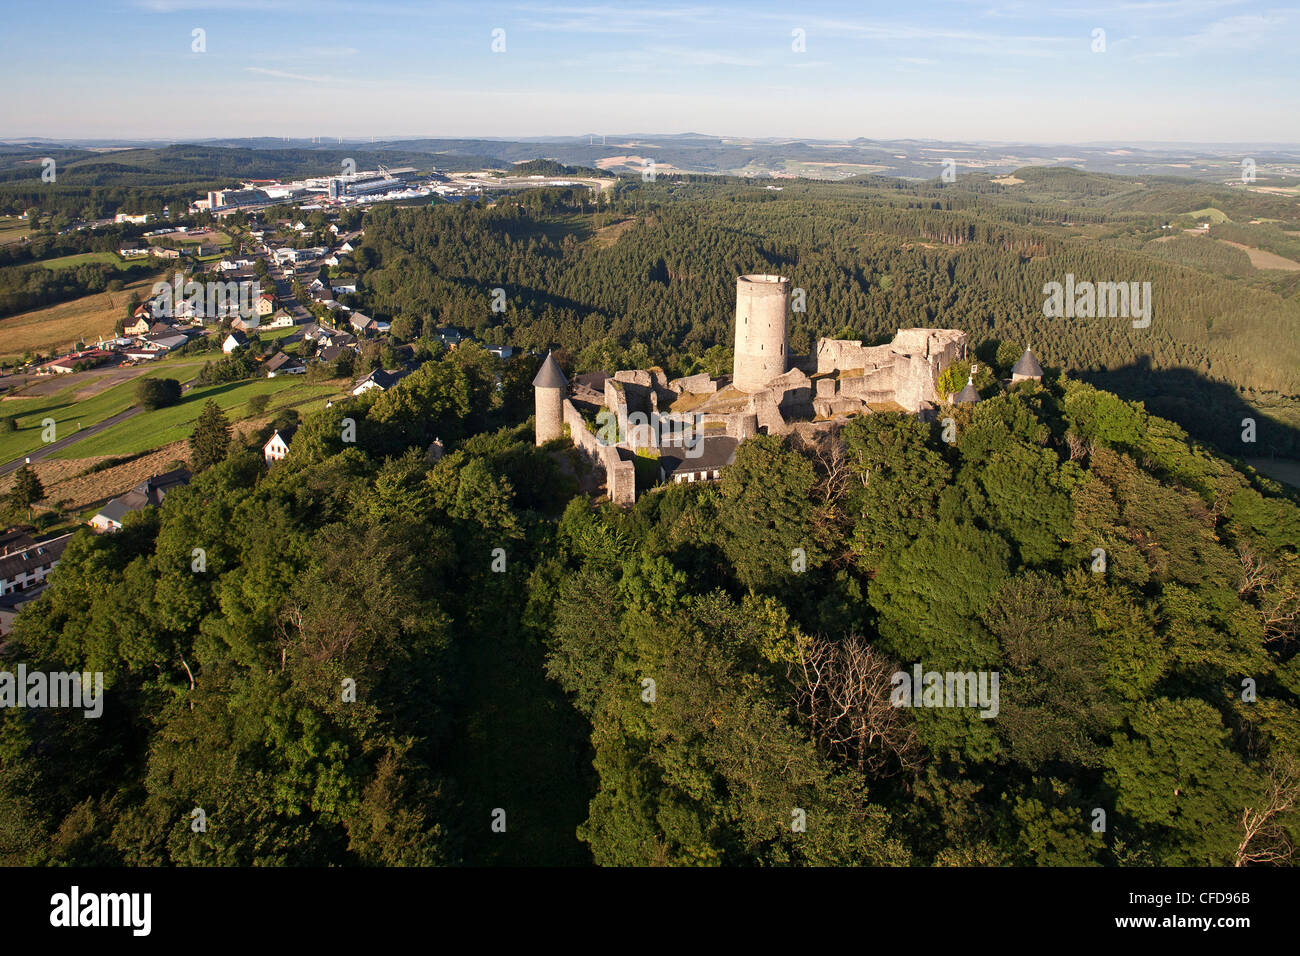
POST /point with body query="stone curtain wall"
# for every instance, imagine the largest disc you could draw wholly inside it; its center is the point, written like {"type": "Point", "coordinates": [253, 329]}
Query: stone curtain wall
{"type": "Point", "coordinates": [582, 436]}
{"type": "Point", "coordinates": [620, 475]}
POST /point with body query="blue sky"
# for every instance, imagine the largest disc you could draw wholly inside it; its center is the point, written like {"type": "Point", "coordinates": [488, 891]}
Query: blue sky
{"type": "Point", "coordinates": [1205, 71]}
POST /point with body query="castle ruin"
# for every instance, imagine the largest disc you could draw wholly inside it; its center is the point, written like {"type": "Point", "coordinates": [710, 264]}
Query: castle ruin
{"type": "Point", "coordinates": [688, 429]}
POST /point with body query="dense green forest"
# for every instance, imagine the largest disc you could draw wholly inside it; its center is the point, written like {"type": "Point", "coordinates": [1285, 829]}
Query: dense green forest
{"type": "Point", "coordinates": [364, 656]}
{"type": "Point", "coordinates": [647, 276]}
{"type": "Point", "coordinates": [32, 286]}
{"type": "Point", "coordinates": [549, 167]}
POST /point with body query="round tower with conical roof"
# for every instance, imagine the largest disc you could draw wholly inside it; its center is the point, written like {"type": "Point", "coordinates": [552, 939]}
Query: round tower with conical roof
{"type": "Point", "coordinates": [548, 391]}
{"type": "Point", "coordinates": [1027, 367]}
{"type": "Point", "coordinates": [761, 353]}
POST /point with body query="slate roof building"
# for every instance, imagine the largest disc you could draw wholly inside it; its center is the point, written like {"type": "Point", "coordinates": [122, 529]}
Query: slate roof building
{"type": "Point", "coordinates": [716, 452]}
{"type": "Point", "coordinates": [26, 567]}
{"type": "Point", "coordinates": [380, 379]}
{"type": "Point", "coordinates": [283, 364]}
{"type": "Point", "coordinates": [148, 493]}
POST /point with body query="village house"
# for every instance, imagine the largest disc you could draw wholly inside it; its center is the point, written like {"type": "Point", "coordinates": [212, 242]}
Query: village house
{"type": "Point", "coordinates": [142, 321]}
{"type": "Point", "coordinates": [25, 563]}
{"type": "Point", "coordinates": [235, 340]}
{"type": "Point", "coordinates": [149, 492]}
{"type": "Point", "coordinates": [278, 446]}
{"type": "Point", "coordinates": [380, 379]}
{"type": "Point", "coordinates": [282, 363]}
{"type": "Point", "coordinates": [448, 336]}
{"type": "Point", "coordinates": [327, 336]}
{"type": "Point", "coordinates": [363, 324]}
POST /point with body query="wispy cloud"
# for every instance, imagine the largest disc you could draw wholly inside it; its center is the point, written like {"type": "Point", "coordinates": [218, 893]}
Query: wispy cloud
{"type": "Point", "coordinates": [1230, 34]}
{"type": "Point", "coordinates": [667, 59]}
{"type": "Point", "coordinates": [1145, 9]}
{"type": "Point", "coordinates": [933, 35]}
{"type": "Point", "coordinates": [257, 6]}
{"type": "Point", "coordinates": [569, 18]}
{"type": "Point", "coordinates": [284, 75]}
{"type": "Point", "coordinates": [331, 51]}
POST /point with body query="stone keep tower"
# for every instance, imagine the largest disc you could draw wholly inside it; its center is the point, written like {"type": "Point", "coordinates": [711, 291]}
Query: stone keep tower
{"type": "Point", "coordinates": [761, 351]}
{"type": "Point", "coordinates": [548, 390]}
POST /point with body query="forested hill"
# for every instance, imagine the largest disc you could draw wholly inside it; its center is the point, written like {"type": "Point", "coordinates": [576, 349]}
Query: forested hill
{"type": "Point", "coordinates": [539, 679]}
{"type": "Point", "coordinates": [649, 277]}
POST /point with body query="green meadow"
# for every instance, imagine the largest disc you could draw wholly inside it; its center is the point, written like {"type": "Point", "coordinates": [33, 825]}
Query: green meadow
{"type": "Point", "coordinates": [152, 429]}
{"type": "Point", "coordinates": [68, 413]}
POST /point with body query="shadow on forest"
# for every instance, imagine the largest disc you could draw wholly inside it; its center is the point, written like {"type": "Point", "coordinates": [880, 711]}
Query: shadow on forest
{"type": "Point", "coordinates": [1210, 411]}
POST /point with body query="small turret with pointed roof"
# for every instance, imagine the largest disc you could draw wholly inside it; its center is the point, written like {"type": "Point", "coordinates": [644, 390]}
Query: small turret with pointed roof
{"type": "Point", "coordinates": [548, 393]}
{"type": "Point", "coordinates": [550, 375]}
{"type": "Point", "coordinates": [968, 395]}
{"type": "Point", "coordinates": [1027, 367]}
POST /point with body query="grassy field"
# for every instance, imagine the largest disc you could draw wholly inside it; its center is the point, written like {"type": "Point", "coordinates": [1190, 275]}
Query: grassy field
{"type": "Point", "coordinates": [70, 414]}
{"type": "Point", "coordinates": [1262, 259]}
{"type": "Point", "coordinates": [152, 429]}
{"type": "Point", "coordinates": [12, 229]}
{"type": "Point", "coordinates": [270, 335]}
{"type": "Point", "coordinates": [56, 327]}
{"type": "Point", "coordinates": [1210, 215]}
{"type": "Point", "coordinates": [179, 240]}
{"type": "Point", "coordinates": [69, 262]}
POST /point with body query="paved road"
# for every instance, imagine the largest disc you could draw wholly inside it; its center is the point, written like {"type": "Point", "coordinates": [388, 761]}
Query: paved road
{"type": "Point", "coordinates": [46, 450]}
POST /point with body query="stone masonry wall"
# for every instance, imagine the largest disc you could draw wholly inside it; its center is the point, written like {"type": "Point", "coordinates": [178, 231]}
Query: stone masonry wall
{"type": "Point", "coordinates": [583, 438]}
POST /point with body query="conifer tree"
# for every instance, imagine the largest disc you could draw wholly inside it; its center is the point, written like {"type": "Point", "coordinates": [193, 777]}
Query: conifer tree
{"type": "Point", "coordinates": [27, 489]}
{"type": "Point", "coordinates": [210, 441]}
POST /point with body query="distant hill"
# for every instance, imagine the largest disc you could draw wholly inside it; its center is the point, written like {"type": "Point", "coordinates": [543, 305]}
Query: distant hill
{"type": "Point", "coordinates": [549, 167]}
{"type": "Point", "coordinates": [701, 153]}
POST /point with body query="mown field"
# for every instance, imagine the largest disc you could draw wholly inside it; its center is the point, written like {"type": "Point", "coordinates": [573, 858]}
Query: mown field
{"type": "Point", "coordinates": [71, 415]}
{"type": "Point", "coordinates": [12, 229]}
{"type": "Point", "coordinates": [70, 262]}
{"type": "Point", "coordinates": [56, 327]}
{"type": "Point", "coordinates": [151, 429]}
